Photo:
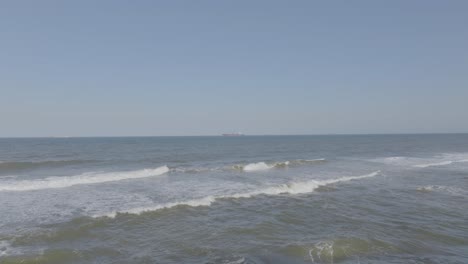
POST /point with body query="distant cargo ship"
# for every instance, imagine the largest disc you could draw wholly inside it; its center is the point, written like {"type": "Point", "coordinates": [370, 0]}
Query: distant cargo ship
{"type": "Point", "coordinates": [232, 134]}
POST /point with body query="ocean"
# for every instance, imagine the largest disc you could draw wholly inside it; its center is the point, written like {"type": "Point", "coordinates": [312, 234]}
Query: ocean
{"type": "Point", "coordinates": [248, 199]}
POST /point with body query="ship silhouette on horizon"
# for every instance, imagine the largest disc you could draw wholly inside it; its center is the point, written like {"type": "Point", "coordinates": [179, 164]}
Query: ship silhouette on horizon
{"type": "Point", "coordinates": [238, 134]}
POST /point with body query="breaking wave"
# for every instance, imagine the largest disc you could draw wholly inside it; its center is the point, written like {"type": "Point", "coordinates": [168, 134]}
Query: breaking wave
{"type": "Point", "coordinates": [5, 248]}
{"type": "Point", "coordinates": [260, 166]}
{"type": "Point", "coordinates": [257, 166]}
{"type": "Point", "coordinates": [442, 163]}
{"type": "Point", "coordinates": [444, 189]}
{"type": "Point", "coordinates": [439, 160]}
{"type": "Point", "coordinates": [194, 169]}
{"type": "Point", "coordinates": [302, 187]}
{"type": "Point", "coordinates": [205, 201]}
{"type": "Point", "coordinates": [10, 167]}
{"type": "Point", "coordinates": [86, 178]}
{"type": "Point", "coordinates": [290, 188]}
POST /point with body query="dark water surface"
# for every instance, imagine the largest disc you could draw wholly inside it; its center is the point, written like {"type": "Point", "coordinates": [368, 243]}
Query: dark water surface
{"type": "Point", "coordinates": [251, 199]}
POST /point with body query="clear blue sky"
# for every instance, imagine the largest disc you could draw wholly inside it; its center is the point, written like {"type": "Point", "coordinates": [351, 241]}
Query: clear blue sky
{"type": "Point", "coordinates": [97, 68]}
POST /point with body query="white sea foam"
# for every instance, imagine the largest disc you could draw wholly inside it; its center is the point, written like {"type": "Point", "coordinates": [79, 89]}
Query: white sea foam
{"type": "Point", "coordinates": [444, 189]}
{"type": "Point", "coordinates": [442, 163]}
{"type": "Point", "coordinates": [6, 248]}
{"type": "Point", "coordinates": [394, 159]}
{"type": "Point", "coordinates": [290, 188]}
{"type": "Point", "coordinates": [281, 164]}
{"type": "Point", "coordinates": [399, 161]}
{"type": "Point", "coordinates": [194, 170]}
{"type": "Point", "coordinates": [300, 187]}
{"type": "Point", "coordinates": [322, 249]}
{"type": "Point", "coordinates": [87, 178]}
{"type": "Point", "coordinates": [257, 166]}
{"type": "Point", "coordinates": [237, 261]}
{"type": "Point", "coordinates": [438, 160]}
{"type": "Point", "coordinates": [205, 201]}
{"type": "Point", "coordinates": [313, 160]}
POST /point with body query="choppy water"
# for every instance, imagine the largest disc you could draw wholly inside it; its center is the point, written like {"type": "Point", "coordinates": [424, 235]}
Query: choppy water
{"type": "Point", "coordinates": [272, 199]}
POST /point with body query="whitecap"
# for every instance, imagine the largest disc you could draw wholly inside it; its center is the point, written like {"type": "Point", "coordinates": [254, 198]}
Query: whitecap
{"type": "Point", "coordinates": [300, 187]}
{"type": "Point", "coordinates": [290, 188]}
{"type": "Point", "coordinates": [6, 249]}
{"type": "Point", "coordinates": [259, 166]}
{"type": "Point", "coordinates": [442, 163]}
{"type": "Point", "coordinates": [438, 160]}
{"type": "Point", "coordinates": [205, 201]}
{"type": "Point", "coordinates": [444, 189]}
{"type": "Point", "coordinates": [86, 178]}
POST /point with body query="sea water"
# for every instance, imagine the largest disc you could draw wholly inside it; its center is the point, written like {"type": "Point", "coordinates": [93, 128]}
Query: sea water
{"type": "Point", "coordinates": [249, 199]}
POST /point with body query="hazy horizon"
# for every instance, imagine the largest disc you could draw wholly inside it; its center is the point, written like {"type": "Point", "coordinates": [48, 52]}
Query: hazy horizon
{"type": "Point", "coordinates": [114, 68]}
{"type": "Point", "coordinates": [246, 135]}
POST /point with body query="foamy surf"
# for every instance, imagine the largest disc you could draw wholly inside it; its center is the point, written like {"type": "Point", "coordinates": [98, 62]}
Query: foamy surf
{"type": "Point", "coordinates": [290, 188]}
{"type": "Point", "coordinates": [312, 160]}
{"type": "Point", "coordinates": [322, 251]}
{"type": "Point", "coordinates": [442, 163]}
{"type": "Point", "coordinates": [444, 189]}
{"type": "Point", "coordinates": [257, 166]}
{"type": "Point", "coordinates": [205, 201]}
{"type": "Point", "coordinates": [5, 248]}
{"type": "Point", "coordinates": [261, 166]}
{"type": "Point", "coordinates": [438, 160]}
{"type": "Point", "coordinates": [300, 187]}
{"type": "Point", "coordinates": [87, 178]}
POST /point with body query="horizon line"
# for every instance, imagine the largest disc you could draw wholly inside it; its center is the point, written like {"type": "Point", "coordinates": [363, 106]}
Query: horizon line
{"type": "Point", "coordinates": [243, 135]}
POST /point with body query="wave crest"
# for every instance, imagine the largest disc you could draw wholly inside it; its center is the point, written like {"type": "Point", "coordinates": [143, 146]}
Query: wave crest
{"type": "Point", "coordinates": [442, 163]}
{"type": "Point", "coordinates": [301, 187]}
{"type": "Point", "coordinates": [260, 166]}
{"type": "Point", "coordinates": [444, 189]}
{"type": "Point", "coordinates": [205, 201]}
{"type": "Point", "coordinates": [290, 188]}
{"type": "Point", "coordinates": [415, 162]}
{"type": "Point", "coordinates": [87, 178]}
{"type": "Point", "coordinates": [257, 166]}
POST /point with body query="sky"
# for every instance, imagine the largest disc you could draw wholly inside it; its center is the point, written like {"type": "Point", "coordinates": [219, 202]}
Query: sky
{"type": "Point", "coordinates": [160, 68]}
